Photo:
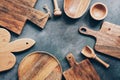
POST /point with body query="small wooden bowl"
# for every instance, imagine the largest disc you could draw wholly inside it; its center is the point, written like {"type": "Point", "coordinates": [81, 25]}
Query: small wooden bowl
{"type": "Point", "coordinates": [98, 11]}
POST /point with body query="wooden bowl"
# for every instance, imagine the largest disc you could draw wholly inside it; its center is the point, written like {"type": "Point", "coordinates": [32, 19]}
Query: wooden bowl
{"type": "Point", "coordinates": [76, 8]}
{"type": "Point", "coordinates": [98, 11]}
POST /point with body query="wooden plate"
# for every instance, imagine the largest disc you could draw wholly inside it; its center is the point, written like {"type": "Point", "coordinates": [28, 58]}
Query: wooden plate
{"type": "Point", "coordinates": [40, 65]}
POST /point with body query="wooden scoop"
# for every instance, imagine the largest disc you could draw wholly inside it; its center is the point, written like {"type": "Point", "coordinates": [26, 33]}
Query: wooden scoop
{"type": "Point", "coordinates": [75, 8]}
{"type": "Point", "coordinates": [88, 52]}
{"type": "Point", "coordinates": [40, 65]}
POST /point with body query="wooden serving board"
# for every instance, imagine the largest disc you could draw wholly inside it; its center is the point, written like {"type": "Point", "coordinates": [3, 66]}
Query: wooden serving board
{"type": "Point", "coordinates": [80, 71]}
{"type": "Point", "coordinates": [40, 66]}
{"type": "Point", "coordinates": [14, 13]}
{"type": "Point", "coordinates": [7, 58]}
{"type": "Point", "coordinates": [107, 39]}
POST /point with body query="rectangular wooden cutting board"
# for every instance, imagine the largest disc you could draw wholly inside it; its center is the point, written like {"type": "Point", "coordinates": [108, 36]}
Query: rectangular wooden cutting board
{"type": "Point", "coordinates": [107, 38]}
{"type": "Point", "coordinates": [80, 71]}
{"type": "Point", "coordinates": [14, 13]}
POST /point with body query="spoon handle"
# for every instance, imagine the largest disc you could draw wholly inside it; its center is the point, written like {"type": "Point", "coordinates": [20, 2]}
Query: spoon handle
{"type": "Point", "coordinates": [102, 62]}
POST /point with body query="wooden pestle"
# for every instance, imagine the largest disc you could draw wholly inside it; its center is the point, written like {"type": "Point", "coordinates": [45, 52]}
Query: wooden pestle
{"type": "Point", "coordinates": [57, 11]}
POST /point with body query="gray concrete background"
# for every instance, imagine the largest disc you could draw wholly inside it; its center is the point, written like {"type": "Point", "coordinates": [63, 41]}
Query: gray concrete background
{"type": "Point", "coordinates": [61, 36]}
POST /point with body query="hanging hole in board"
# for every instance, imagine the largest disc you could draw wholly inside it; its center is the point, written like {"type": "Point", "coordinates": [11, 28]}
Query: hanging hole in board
{"type": "Point", "coordinates": [109, 29]}
{"type": "Point", "coordinates": [83, 30]}
{"type": "Point", "coordinates": [27, 43]}
{"type": "Point", "coordinates": [69, 57]}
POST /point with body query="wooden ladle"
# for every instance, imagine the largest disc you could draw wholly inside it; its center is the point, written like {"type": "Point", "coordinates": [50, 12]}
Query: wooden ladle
{"type": "Point", "coordinates": [75, 8]}
{"type": "Point", "coordinates": [88, 52]}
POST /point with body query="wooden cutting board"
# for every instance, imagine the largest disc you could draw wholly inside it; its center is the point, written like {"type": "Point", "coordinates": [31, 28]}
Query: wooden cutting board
{"type": "Point", "coordinates": [14, 13]}
{"type": "Point", "coordinates": [7, 58]}
{"type": "Point", "coordinates": [107, 38]}
{"type": "Point", "coordinates": [80, 71]}
{"type": "Point", "coordinates": [40, 66]}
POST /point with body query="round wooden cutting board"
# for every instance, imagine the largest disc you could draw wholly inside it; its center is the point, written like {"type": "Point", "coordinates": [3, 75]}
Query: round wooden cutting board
{"type": "Point", "coordinates": [40, 66]}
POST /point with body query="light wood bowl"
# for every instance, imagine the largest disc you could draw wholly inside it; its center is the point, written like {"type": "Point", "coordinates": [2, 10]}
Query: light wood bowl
{"type": "Point", "coordinates": [76, 8]}
{"type": "Point", "coordinates": [98, 11]}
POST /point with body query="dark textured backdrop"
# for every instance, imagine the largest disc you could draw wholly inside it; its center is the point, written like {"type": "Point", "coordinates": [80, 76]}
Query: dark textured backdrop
{"type": "Point", "coordinates": [61, 36]}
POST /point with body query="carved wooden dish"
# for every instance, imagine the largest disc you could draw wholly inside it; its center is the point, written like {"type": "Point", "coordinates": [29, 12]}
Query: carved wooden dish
{"type": "Point", "coordinates": [98, 11]}
{"type": "Point", "coordinates": [75, 8]}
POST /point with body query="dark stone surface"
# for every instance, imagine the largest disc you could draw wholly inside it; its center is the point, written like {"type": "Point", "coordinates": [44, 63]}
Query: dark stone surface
{"type": "Point", "coordinates": [61, 36]}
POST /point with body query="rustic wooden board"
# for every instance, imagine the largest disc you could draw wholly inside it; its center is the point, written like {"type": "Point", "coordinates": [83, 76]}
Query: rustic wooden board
{"type": "Point", "coordinates": [80, 71]}
{"type": "Point", "coordinates": [14, 13]}
{"type": "Point", "coordinates": [75, 8]}
{"type": "Point", "coordinates": [107, 39]}
{"type": "Point", "coordinates": [7, 59]}
{"type": "Point", "coordinates": [39, 66]}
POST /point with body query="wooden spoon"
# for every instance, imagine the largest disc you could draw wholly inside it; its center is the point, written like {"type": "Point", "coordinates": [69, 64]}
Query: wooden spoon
{"type": "Point", "coordinates": [88, 52]}
{"type": "Point", "coordinates": [75, 8]}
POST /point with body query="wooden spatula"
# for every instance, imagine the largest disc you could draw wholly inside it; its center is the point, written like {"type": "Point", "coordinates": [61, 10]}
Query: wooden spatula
{"type": "Point", "coordinates": [107, 38]}
{"type": "Point", "coordinates": [40, 66]}
{"type": "Point", "coordinates": [80, 71]}
{"type": "Point", "coordinates": [7, 59]}
{"type": "Point", "coordinates": [13, 15]}
{"type": "Point", "coordinates": [75, 8]}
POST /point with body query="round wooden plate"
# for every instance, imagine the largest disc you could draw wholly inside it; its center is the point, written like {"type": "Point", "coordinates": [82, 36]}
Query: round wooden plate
{"type": "Point", "coordinates": [40, 65]}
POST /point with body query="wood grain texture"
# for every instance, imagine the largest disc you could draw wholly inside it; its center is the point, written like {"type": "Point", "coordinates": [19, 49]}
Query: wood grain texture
{"type": "Point", "coordinates": [89, 53]}
{"type": "Point", "coordinates": [80, 71]}
{"type": "Point", "coordinates": [7, 59]}
{"type": "Point", "coordinates": [14, 14]}
{"type": "Point", "coordinates": [4, 37]}
{"type": "Point", "coordinates": [107, 39]}
{"type": "Point", "coordinates": [75, 8]}
{"type": "Point", "coordinates": [98, 11]}
{"type": "Point", "coordinates": [39, 66]}
{"type": "Point", "coordinates": [18, 45]}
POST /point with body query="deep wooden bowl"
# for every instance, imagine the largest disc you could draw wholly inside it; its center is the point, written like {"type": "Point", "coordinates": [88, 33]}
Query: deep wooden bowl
{"type": "Point", "coordinates": [98, 11]}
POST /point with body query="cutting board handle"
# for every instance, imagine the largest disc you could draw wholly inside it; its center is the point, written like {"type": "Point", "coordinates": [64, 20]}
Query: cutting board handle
{"type": "Point", "coordinates": [70, 58]}
{"type": "Point", "coordinates": [18, 45]}
{"type": "Point", "coordinates": [85, 30]}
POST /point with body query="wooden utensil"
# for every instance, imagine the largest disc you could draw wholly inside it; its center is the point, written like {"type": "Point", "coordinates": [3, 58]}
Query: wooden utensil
{"type": "Point", "coordinates": [88, 52]}
{"type": "Point", "coordinates": [98, 11]}
{"type": "Point", "coordinates": [80, 71]}
{"type": "Point", "coordinates": [57, 11]}
{"type": "Point", "coordinates": [14, 13]}
{"type": "Point", "coordinates": [75, 8]}
{"type": "Point", "coordinates": [7, 59]}
{"type": "Point", "coordinates": [40, 65]}
{"type": "Point", "coordinates": [107, 39]}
